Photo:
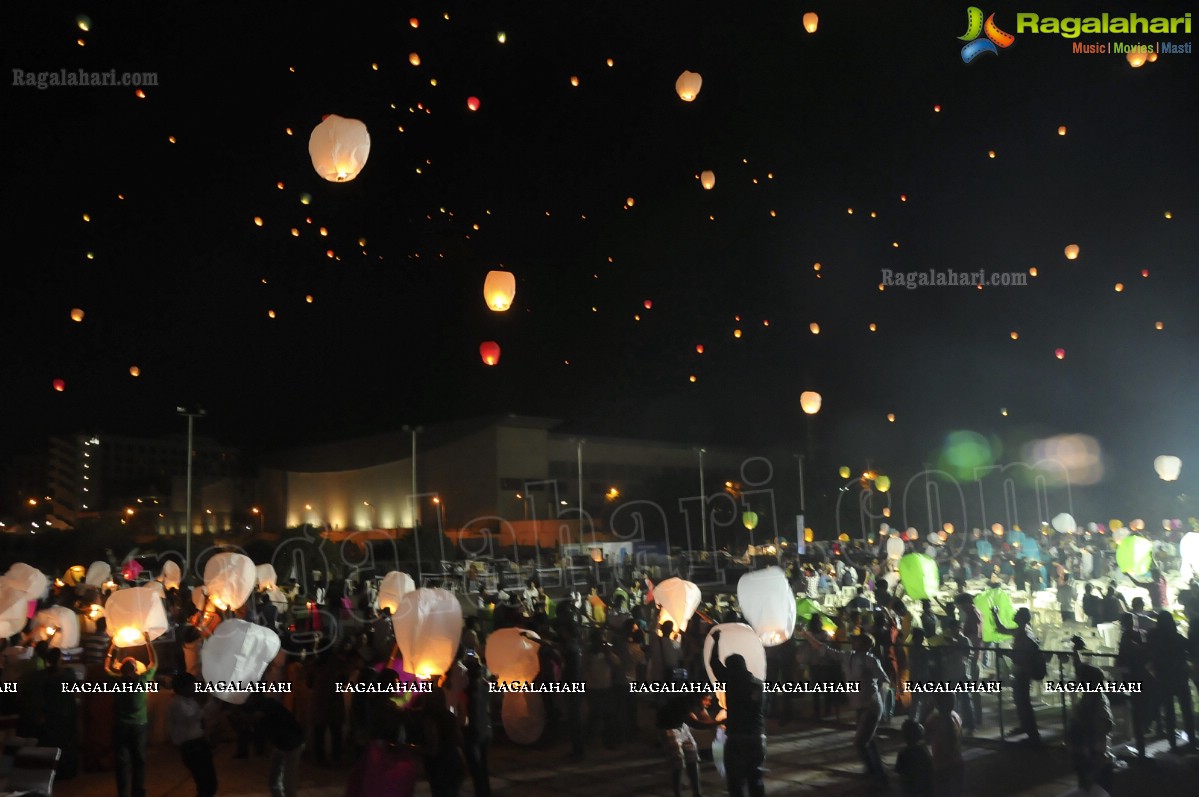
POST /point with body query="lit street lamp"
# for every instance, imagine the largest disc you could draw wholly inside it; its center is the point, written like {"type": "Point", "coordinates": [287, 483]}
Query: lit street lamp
{"type": "Point", "coordinates": [261, 518]}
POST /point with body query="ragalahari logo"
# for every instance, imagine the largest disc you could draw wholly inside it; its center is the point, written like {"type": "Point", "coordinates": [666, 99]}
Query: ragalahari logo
{"type": "Point", "coordinates": [975, 27]}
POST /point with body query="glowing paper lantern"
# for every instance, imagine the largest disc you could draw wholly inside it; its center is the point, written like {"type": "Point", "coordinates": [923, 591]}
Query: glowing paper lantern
{"type": "Point", "coordinates": [395, 585]}
{"type": "Point", "coordinates": [428, 628]}
{"type": "Point", "coordinates": [26, 580]}
{"type": "Point", "coordinates": [1072, 252]}
{"type": "Point", "coordinates": [809, 402]}
{"type": "Point", "coordinates": [76, 315]}
{"type": "Point", "coordinates": [843, 472]}
{"type": "Point", "coordinates": [882, 483]}
{"type": "Point", "coordinates": [266, 577]}
{"type": "Point", "coordinates": [1134, 555]}
{"type": "Point", "coordinates": [679, 599]}
{"type": "Point", "coordinates": [132, 612]}
{"type": "Point", "coordinates": [768, 604]}
{"type": "Point", "coordinates": [229, 579]}
{"type": "Point", "coordinates": [58, 625]}
{"type": "Point", "coordinates": [1060, 354]}
{"type": "Point", "coordinates": [736, 638]}
{"type": "Point", "coordinates": [490, 352]}
{"type": "Point", "coordinates": [895, 548]}
{"type": "Point", "coordinates": [808, 535]}
{"type": "Point", "coordinates": [810, 21]}
{"type": "Point", "coordinates": [814, 328]}
{"type": "Point", "coordinates": [59, 385]}
{"type": "Point", "coordinates": [170, 576]}
{"type": "Point", "coordinates": [512, 657]}
{"type": "Point", "coordinates": [97, 574]}
{"type": "Point", "coordinates": [1188, 552]}
{"type": "Point", "coordinates": [1168, 468]}
{"type": "Point", "coordinates": [688, 85]}
{"type": "Point", "coordinates": [339, 148]}
{"type": "Point", "coordinates": [499, 289]}
{"type": "Point", "coordinates": [1137, 58]}
{"type": "Point", "coordinates": [999, 599]}
{"type": "Point", "coordinates": [74, 575]}
{"type": "Point", "coordinates": [523, 715]}
{"type": "Point", "coordinates": [749, 520]}
{"type": "Point", "coordinates": [707, 179]}
{"type": "Point", "coordinates": [919, 575]}
{"type": "Point", "coordinates": [1061, 131]}
{"type": "Point", "coordinates": [237, 653]}
{"type": "Point", "coordinates": [473, 103]}
{"type": "Point", "coordinates": [414, 59]}
{"type": "Point", "coordinates": [1064, 523]}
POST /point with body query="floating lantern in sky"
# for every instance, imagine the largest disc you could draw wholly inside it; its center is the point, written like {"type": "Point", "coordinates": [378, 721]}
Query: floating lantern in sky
{"type": "Point", "coordinates": [1169, 215]}
{"type": "Point", "coordinates": [629, 202]}
{"type": "Point", "coordinates": [499, 289]}
{"type": "Point", "coordinates": [574, 80]}
{"type": "Point", "coordinates": [768, 604]}
{"type": "Point", "coordinates": [1119, 287]}
{"type": "Point", "coordinates": [1063, 523]}
{"type": "Point", "coordinates": [810, 401]}
{"type": "Point", "coordinates": [810, 21]}
{"type": "Point", "coordinates": [814, 328]}
{"type": "Point", "coordinates": [1168, 467]}
{"type": "Point", "coordinates": [882, 483]}
{"type": "Point", "coordinates": [990, 153]}
{"type": "Point", "coordinates": [1153, 57]}
{"type": "Point", "coordinates": [414, 59]}
{"type": "Point", "coordinates": [472, 103]}
{"type": "Point", "coordinates": [229, 579]}
{"type": "Point", "coordinates": [1060, 354]}
{"type": "Point", "coordinates": [501, 37]}
{"type": "Point", "coordinates": [1015, 335]}
{"type": "Point", "coordinates": [1137, 59]}
{"type": "Point", "coordinates": [258, 221]}
{"type": "Point", "coordinates": [707, 179]}
{"type": "Point", "coordinates": [339, 148]}
{"type": "Point", "coordinates": [699, 348]}
{"type": "Point", "coordinates": [648, 304]}
{"type": "Point", "coordinates": [1032, 272]}
{"type": "Point", "coordinates": [693, 378]}
{"type": "Point", "coordinates": [736, 333]}
{"type": "Point", "coordinates": [1003, 411]}
{"type": "Point", "coordinates": [60, 385]}
{"type": "Point", "coordinates": [873, 327]}
{"type": "Point", "coordinates": [919, 575]}
{"type": "Point", "coordinates": [749, 520]}
{"type": "Point", "coordinates": [1061, 131]}
{"type": "Point", "coordinates": [1159, 325]}
{"type": "Point", "coordinates": [135, 371]}
{"type": "Point", "coordinates": [1072, 252]}
{"type": "Point", "coordinates": [77, 315]}
{"type": "Point", "coordinates": [610, 62]}
{"type": "Point", "coordinates": [843, 471]}
{"type": "Point", "coordinates": [238, 652]}
{"type": "Point", "coordinates": [688, 85]}
{"type": "Point", "coordinates": [490, 352]}
{"type": "Point", "coordinates": [890, 417]}
{"type": "Point", "coordinates": [84, 23]}
{"type": "Point", "coordinates": [395, 585]}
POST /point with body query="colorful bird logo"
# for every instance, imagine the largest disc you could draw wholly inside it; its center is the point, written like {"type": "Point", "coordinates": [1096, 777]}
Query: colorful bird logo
{"type": "Point", "coordinates": [975, 27]}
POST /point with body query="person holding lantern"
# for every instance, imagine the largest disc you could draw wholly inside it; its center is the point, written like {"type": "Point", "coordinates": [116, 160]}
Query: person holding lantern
{"type": "Point", "coordinates": [745, 749]}
{"type": "Point", "coordinates": [132, 719]}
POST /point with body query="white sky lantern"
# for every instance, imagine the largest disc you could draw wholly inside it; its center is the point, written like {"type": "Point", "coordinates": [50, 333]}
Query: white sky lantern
{"type": "Point", "coordinates": [895, 548]}
{"type": "Point", "coordinates": [810, 401]}
{"type": "Point", "coordinates": [1072, 252]}
{"type": "Point", "coordinates": [679, 599]}
{"type": "Point", "coordinates": [394, 586]}
{"type": "Point", "coordinates": [58, 625]}
{"type": "Point", "coordinates": [266, 576]}
{"type": "Point", "coordinates": [236, 652]}
{"type": "Point", "coordinates": [707, 179]}
{"type": "Point", "coordinates": [1168, 467]}
{"type": "Point", "coordinates": [499, 289]}
{"type": "Point", "coordinates": [768, 604]}
{"type": "Point", "coordinates": [131, 612]}
{"type": "Point", "coordinates": [428, 628]}
{"type": "Point", "coordinates": [27, 580]}
{"type": "Point", "coordinates": [339, 148]}
{"type": "Point", "coordinates": [98, 573]}
{"type": "Point", "coordinates": [14, 608]}
{"type": "Point", "coordinates": [511, 657]}
{"type": "Point", "coordinates": [1064, 523]}
{"type": "Point", "coordinates": [810, 21]}
{"type": "Point", "coordinates": [1188, 551]}
{"type": "Point", "coordinates": [229, 579]}
{"type": "Point", "coordinates": [171, 577]}
{"type": "Point", "coordinates": [524, 717]}
{"type": "Point", "coordinates": [688, 85]}
{"type": "Point", "coordinates": [736, 638]}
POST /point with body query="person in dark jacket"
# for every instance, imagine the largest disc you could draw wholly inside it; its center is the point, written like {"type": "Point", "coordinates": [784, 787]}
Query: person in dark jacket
{"type": "Point", "coordinates": [1168, 659]}
{"type": "Point", "coordinates": [285, 735]}
{"type": "Point", "coordinates": [745, 750]}
{"type": "Point", "coordinates": [475, 711]}
{"type": "Point", "coordinates": [1092, 606]}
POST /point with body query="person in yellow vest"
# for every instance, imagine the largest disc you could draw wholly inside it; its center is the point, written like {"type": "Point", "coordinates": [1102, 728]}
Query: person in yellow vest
{"type": "Point", "coordinates": [597, 609]}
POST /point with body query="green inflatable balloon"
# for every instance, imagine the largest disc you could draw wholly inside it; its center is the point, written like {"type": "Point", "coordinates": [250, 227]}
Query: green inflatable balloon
{"type": "Point", "coordinates": [1134, 555]}
{"type": "Point", "coordinates": [1000, 599]}
{"type": "Point", "coordinates": [919, 575]}
{"type": "Point", "coordinates": [806, 609]}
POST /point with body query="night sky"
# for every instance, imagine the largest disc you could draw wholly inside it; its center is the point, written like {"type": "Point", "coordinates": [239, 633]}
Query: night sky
{"type": "Point", "coordinates": [182, 279]}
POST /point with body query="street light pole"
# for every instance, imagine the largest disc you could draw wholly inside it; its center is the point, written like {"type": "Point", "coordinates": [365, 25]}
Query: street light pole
{"type": "Point", "coordinates": [703, 500]}
{"type": "Point", "coordinates": [414, 430]}
{"type": "Point", "coordinates": [191, 418]}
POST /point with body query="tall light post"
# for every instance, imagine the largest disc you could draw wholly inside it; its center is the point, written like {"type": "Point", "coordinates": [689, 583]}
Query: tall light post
{"type": "Point", "coordinates": [261, 518]}
{"type": "Point", "coordinates": [703, 500]}
{"type": "Point", "coordinates": [579, 455]}
{"type": "Point", "coordinates": [191, 419]}
{"type": "Point", "coordinates": [414, 431]}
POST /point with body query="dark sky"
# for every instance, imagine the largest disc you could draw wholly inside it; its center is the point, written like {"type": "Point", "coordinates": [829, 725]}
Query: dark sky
{"type": "Point", "coordinates": [182, 280]}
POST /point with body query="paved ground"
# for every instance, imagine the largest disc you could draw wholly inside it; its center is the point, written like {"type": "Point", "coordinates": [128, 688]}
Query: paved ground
{"type": "Point", "coordinates": [804, 757]}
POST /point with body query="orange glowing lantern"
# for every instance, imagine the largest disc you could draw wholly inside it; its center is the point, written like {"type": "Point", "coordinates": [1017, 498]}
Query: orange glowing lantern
{"type": "Point", "coordinates": [473, 103]}
{"type": "Point", "coordinates": [135, 371]}
{"type": "Point", "coordinates": [810, 21]}
{"type": "Point", "coordinates": [688, 85]}
{"type": "Point", "coordinates": [490, 352]}
{"type": "Point", "coordinates": [1061, 131]}
{"type": "Point", "coordinates": [60, 385]}
{"type": "Point", "coordinates": [707, 179]}
{"type": "Point", "coordinates": [77, 315]}
{"type": "Point", "coordinates": [810, 401]}
{"type": "Point", "coordinates": [1060, 354]}
{"type": "Point", "coordinates": [499, 289]}
{"type": "Point", "coordinates": [1137, 59]}
{"type": "Point", "coordinates": [814, 328]}
{"type": "Point", "coordinates": [1072, 252]}
{"type": "Point", "coordinates": [648, 304]}
{"type": "Point", "coordinates": [339, 148]}
{"type": "Point", "coordinates": [414, 59]}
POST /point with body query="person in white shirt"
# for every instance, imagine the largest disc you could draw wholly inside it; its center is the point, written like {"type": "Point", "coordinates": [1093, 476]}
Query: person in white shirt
{"type": "Point", "coordinates": [185, 723]}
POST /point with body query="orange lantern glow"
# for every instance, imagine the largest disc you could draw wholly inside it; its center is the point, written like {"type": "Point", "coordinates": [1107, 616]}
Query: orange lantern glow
{"type": "Point", "coordinates": [1061, 131]}
{"type": "Point", "coordinates": [472, 103]}
{"type": "Point", "coordinates": [699, 348]}
{"type": "Point", "coordinates": [414, 59]}
{"type": "Point", "coordinates": [339, 148]}
{"type": "Point", "coordinates": [1137, 59]}
{"type": "Point", "coordinates": [810, 21]}
{"type": "Point", "coordinates": [891, 417]}
{"type": "Point", "coordinates": [648, 304]}
{"type": "Point", "coordinates": [1072, 252]}
{"type": "Point", "coordinates": [688, 85]}
{"type": "Point", "coordinates": [1060, 354]}
{"type": "Point", "coordinates": [77, 315]}
{"type": "Point", "coordinates": [707, 179]}
{"type": "Point", "coordinates": [810, 401]}
{"type": "Point", "coordinates": [60, 385]}
{"type": "Point", "coordinates": [490, 352]}
{"type": "Point", "coordinates": [499, 289]}
{"type": "Point", "coordinates": [814, 327]}
{"type": "Point", "coordinates": [135, 371]}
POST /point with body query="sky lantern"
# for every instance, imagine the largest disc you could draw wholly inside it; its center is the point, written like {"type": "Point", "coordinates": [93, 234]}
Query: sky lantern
{"type": "Point", "coordinates": [1119, 287]}
{"type": "Point", "coordinates": [1137, 59]}
{"type": "Point", "coordinates": [1072, 252]}
{"type": "Point", "coordinates": [814, 328]}
{"type": "Point", "coordinates": [490, 352]}
{"type": "Point", "coordinates": [810, 21]}
{"type": "Point", "coordinates": [499, 289]}
{"type": "Point", "coordinates": [133, 612]}
{"type": "Point", "coordinates": [1063, 523]}
{"type": "Point", "coordinates": [810, 401]}
{"type": "Point", "coordinates": [736, 333]}
{"type": "Point", "coordinates": [882, 483]}
{"type": "Point", "coordinates": [135, 371]}
{"type": "Point", "coordinates": [237, 652]}
{"type": "Point", "coordinates": [414, 22]}
{"type": "Point", "coordinates": [76, 315]}
{"type": "Point", "coordinates": [229, 579]}
{"type": "Point", "coordinates": [679, 599]}
{"type": "Point", "coordinates": [768, 604]}
{"type": "Point", "coordinates": [936, 109]}
{"type": "Point", "coordinates": [59, 385]}
{"type": "Point", "coordinates": [414, 59]}
{"type": "Point", "coordinates": [1168, 467]}
{"type": "Point", "coordinates": [501, 37]}
{"type": "Point", "coordinates": [511, 656]}
{"type": "Point", "coordinates": [1014, 335]}
{"type": "Point", "coordinates": [749, 520]}
{"type": "Point", "coordinates": [1153, 57]}
{"type": "Point", "coordinates": [395, 585]}
{"type": "Point", "coordinates": [339, 148]}
{"type": "Point", "coordinates": [890, 417]}
{"type": "Point", "coordinates": [574, 80]}
{"type": "Point", "coordinates": [699, 348]}
{"type": "Point", "coordinates": [688, 85]}
{"type": "Point", "coordinates": [648, 304]}
{"type": "Point", "coordinates": [58, 626]}
{"type": "Point", "coordinates": [707, 179]}
{"type": "Point", "coordinates": [473, 103]}
{"type": "Point", "coordinates": [1159, 325]}
{"type": "Point", "coordinates": [843, 471]}
{"type": "Point", "coordinates": [1060, 354]}
{"type": "Point", "coordinates": [1061, 131]}
{"type": "Point", "coordinates": [630, 201]}
{"type": "Point", "coordinates": [741, 639]}
{"type": "Point", "coordinates": [1134, 555]}
{"type": "Point", "coordinates": [428, 627]}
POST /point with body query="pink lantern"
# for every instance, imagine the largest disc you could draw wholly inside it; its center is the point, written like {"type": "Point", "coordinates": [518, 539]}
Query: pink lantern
{"type": "Point", "coordinates": [472, 103]}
